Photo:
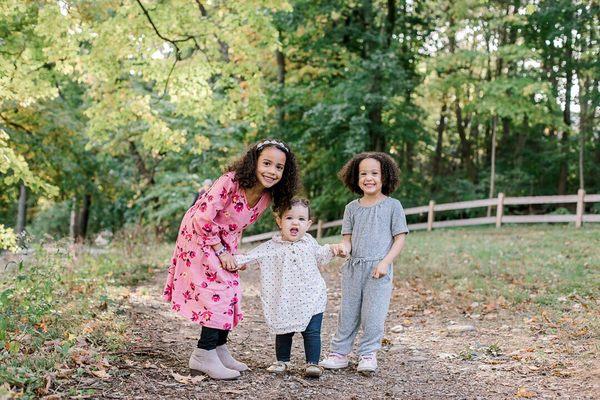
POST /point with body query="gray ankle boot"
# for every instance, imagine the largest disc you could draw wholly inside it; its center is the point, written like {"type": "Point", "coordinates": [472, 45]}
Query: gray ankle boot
{"type": "Point", "coordinates": [208, 362]}
{"type": "Point", "coordinates": [228, 360]}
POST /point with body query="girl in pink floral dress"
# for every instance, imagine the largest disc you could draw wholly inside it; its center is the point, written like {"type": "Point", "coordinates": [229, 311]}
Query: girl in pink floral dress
{"type": "Point", "coordinates": [203, 284]}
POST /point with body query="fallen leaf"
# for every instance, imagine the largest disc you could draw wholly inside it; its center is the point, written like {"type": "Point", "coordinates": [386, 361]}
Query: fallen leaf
{"type": "Point", "coordinates": [63, 372]}
{"type": "Point", "coordinates": [186, 379]}
{"type": "Point", "coordinates": [524, 393]}
{"type": "Point", "coordinates": [101, 373]}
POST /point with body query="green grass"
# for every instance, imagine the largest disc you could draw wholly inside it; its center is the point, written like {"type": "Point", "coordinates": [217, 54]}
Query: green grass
{"type": "Point", "coordinates": [521, 264]}
{"type": "Point", "coordinates": [54, 304]}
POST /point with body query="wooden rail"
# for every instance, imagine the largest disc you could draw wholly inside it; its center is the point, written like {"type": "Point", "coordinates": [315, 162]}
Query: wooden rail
{"type": "Point", "coordinates": [581, 198]}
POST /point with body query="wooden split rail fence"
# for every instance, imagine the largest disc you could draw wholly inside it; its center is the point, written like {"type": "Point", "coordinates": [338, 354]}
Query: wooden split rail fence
{"type": "Point", "coordinates": [581, 198]}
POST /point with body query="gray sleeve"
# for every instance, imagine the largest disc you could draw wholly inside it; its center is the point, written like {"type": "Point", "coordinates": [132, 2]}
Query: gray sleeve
{"type": "Point", "coordinates": [347, 221]}
{"type": "Point", "coordinates": [398, 219]}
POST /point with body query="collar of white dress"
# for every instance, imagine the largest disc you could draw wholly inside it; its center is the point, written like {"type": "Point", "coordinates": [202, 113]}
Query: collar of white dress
{"type": "Point", "coordinates": [278, 239]}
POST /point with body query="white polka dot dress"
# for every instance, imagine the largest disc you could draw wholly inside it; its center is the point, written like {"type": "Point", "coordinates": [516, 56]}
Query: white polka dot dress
{"type": "Point", "coordinates": [292, 288]}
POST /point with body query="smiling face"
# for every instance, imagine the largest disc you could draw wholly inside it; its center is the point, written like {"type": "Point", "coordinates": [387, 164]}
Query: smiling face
{"type": "Point", "coordinates": [369, 177]}
{"type": "Point", "coordinates": [294, 223]}
{"type": "Point", "coordinates": [270, 165]}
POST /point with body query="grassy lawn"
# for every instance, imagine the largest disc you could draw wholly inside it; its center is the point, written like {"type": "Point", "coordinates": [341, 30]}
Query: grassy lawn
{"type": "Point", "coordinates": [539, 264]}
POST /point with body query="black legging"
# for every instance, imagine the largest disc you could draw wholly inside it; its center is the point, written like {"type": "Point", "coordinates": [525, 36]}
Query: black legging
{"type": "Point", "coordinates": [210, 338]}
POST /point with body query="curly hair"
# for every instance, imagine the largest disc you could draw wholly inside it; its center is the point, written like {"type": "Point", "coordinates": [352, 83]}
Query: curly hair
{"type": "Point", "coordinates": [390, 174]}
{"type": "Point", "coordinates": [282, 192]}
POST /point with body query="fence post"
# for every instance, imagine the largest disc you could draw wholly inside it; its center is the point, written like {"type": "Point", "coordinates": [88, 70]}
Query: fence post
{"type": "Point", "coordinates": [499, 210]}
{"type": "Point", "coordinates": [320, 229]}
{"type": "Point", "coordinates": [580, 208]}
{"type": "Point", "coordinates": [430, 215]}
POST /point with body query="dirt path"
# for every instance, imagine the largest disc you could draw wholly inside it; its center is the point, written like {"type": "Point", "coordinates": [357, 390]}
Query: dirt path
{"type": "Point", "coordinates": [431, 351]}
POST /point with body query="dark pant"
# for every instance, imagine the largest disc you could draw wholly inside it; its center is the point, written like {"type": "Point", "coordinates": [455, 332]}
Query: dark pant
{"type": "Point", "coordinates": [312, 342]}
{"type": "Point", "coordinates": [210, 338]}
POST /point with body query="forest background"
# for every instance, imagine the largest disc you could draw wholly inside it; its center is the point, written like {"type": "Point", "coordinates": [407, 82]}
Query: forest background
{"type": "Point", "coordinates": [112, 113]}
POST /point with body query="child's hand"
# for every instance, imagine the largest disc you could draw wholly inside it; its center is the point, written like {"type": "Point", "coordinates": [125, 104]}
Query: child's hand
{"type": "Point", "coordinates": [335, 249]}
{"type": "Point", "coordinates": [346, 249]}
{"type": "Point", "coordinates": [338, 250]}
{"type": "Point", "coordinates": [228, 262]}
{"type": "Point", "coordinates": [380, 270]}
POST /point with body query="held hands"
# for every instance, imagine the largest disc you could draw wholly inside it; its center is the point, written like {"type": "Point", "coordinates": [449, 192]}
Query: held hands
{"type": "Point", "coordinates": [380, 270]}
{"type": "Point", "coordinates": [228, 262]}
{"type": "Point", "coordinates": [339, 250]}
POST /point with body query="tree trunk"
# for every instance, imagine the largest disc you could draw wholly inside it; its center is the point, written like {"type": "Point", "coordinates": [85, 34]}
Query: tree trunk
{"type": "Point", "coordinates": [521, 140]}
{"type": "Point", "coordinates": [564, 145]}
{"type": "Point", "coordinates": [505, 142]}
{"type": "Point", "coordinates": [437, 159]}
{"type": "Point", "coordinates": [73, 225]}
{"type": "Point", "coordinates": [280, 57]}
{"type": "Point", "coordinates": [84, 217]}
{"type": "Point", "coordinates": [377, 139]}
{"type": "Point", "coordinates": [409, 156]}
{"type": "Point", "coordinates": [492, 164]}
{"type": "Point", "coordinates": [584, 87]}
{"type": "Point", "coordinates": [474, 140]}
{"type": "Point", "coordinates": [391, 21]}
{"type": "Point", "coordinates": [465, 146]}
{"type": "Point", "coordinates": [22, 209]}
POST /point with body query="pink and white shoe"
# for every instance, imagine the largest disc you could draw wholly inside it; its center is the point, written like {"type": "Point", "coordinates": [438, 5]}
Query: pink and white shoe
{"type": "Point", "coordinates": [367, 363]}
{"type": "Point", "coordinates": [334, 361]}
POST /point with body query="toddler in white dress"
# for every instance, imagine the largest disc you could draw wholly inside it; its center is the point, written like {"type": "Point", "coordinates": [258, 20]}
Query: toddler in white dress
{"type": "Point", "coordinates": [293, 292]}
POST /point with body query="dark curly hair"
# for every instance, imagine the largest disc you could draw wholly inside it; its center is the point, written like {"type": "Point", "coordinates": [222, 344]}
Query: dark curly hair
{"type": "Point", "coordinates": [282, 192]}
{"type": "Point", "coordinates": [390, 175]}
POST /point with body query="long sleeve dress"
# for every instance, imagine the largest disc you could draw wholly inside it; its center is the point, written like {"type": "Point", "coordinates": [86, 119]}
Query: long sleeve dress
{"type": "Point", "coordinates": [197, 286]}
{"type": "Point", "coordinates": [292, 288]}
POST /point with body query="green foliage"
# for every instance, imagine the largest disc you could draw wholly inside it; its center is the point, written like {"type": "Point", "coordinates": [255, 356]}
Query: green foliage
{"type": "Point", "coordinates": [54, 301]}
{"type": "Point", "coordinates": [8, 239]}
{"type": "Point", "coordinates": [133, 104]}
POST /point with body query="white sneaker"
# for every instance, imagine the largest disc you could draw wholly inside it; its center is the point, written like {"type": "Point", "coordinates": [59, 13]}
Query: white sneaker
{"type": "Point", "coordinates": [367, 363]}
{"type": "Point", "coordinates": [334, 361]}
{"type": "Point", "coordinates": [278, 367]}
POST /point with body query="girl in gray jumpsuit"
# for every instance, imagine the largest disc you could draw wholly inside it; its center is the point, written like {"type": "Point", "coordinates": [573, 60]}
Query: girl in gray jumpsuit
{"type": "Point", "coordinates": [373, 230]}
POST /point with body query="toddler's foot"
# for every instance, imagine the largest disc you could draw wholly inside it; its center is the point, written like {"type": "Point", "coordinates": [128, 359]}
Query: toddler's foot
{"type": "Point", "coordinates": [367, 364]}
{"type": "Point", "coordinates": [313, 371]}
{"type": "Point", "coordinates": [278, 367]}
{"type": "Point", "coordinates": [334, 361]}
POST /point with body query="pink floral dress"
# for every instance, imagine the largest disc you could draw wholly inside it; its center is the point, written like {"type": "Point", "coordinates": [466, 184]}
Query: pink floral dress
{"type": "Point", "coordinates": [197, 287]}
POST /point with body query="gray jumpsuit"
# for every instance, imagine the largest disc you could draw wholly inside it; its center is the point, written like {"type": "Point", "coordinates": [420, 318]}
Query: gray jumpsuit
{"type": "Point", "coordinates": [365, 300]}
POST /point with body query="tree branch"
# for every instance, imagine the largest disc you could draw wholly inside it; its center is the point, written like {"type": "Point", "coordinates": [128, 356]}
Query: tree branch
{"type": "Point", "coordinates": [201, 8]}
{"type": "Point", "coordinates": [166, 39]}
{"type": "Point", "coordinates": [15, 125]}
